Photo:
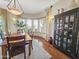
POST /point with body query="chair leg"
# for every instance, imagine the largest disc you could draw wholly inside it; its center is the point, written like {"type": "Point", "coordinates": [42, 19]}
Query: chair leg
{"type": "Point", "coordinates": [30, 46]}
{"type": "Point", "coordinates": [9, 54]}
{"type": "Point", "coordinates": [29, 51]}
{"type": "Point", "coordinates": [24, 53]}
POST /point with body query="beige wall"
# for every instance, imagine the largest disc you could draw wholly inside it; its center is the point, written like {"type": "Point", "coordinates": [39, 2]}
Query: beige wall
{"type": "Point", "coordinates": [66, 4]}
{"type": "Point", "coordinates": [11, 23]}
{"type": "Point", "coordinates": [4, 17]}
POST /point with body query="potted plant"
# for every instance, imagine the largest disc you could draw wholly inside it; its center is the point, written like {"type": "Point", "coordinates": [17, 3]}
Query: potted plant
{"type": "Point", "coordinates": [20, 26]}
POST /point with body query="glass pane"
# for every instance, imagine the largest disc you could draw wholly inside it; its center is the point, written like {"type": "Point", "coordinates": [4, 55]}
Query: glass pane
{"type": "Point", "coordinates": [41, 25]}
{"type": "Point", "coordinates": [29, 23]}
{"type": "Point", "coordinates": [1, 23]}
{"type": "Point", "coordinates": [1, 28]}
{"type": "Point", "coordinates": [35, 25]}
{"type": "Point", "coordinates": [72, 18]}
{"type": "Point", "coordinates": [67, 18]}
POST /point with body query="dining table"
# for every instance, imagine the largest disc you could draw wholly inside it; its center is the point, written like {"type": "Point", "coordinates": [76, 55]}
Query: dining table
{"type": "Point", "coordinates": [3, 45]}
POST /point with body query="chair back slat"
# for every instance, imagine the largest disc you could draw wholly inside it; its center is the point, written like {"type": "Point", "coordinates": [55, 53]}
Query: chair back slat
{"type": "Point", "coordinates": [18, 37]}
{"type": "Point", "coordinates": [15, 40]}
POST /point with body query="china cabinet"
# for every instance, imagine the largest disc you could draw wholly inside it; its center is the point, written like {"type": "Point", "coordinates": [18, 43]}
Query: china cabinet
{"type": "Point", "coordinates": [66, 32]}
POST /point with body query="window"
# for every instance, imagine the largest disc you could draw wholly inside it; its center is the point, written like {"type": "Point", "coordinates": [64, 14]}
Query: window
{"type": "Point", "coordinates": [40, 25]}
{"type": "Point", "coordinates": [35, 24]}
{"type": "Point", "coordinates": [28, 24]}
{"type": "Point", "coordinates": [1, 23]}
{"type": "Point", "coordinates": [1, 28]}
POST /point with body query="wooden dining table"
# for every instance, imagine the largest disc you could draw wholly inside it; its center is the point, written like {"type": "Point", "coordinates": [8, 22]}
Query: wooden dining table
{"type": "Point", "coordinates": [3, 45]}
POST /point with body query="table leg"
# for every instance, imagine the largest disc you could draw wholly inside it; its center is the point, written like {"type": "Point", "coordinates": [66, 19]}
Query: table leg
{"type": "Point", "coordinates": [4, 52]}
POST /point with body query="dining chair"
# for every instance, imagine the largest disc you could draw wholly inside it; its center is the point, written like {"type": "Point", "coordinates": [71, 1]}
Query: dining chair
{"type": "Point", "coordinates": [16, 45]}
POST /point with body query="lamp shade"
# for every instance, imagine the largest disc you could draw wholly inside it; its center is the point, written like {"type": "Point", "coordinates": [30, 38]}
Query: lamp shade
{"type": "Point", "coordinates": [14, 11]}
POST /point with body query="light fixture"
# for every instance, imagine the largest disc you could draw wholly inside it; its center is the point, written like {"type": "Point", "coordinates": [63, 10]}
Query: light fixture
{"type": "Point", "coordinates": [14, 8]}
{"type": "Point", "coordinates": [50, 16]}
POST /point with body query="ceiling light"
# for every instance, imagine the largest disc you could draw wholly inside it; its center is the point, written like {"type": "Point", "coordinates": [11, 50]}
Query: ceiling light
{"type": "Point", "coordinates": [14, 8]}
{"type": "Point", "coordinates": [50, 16]}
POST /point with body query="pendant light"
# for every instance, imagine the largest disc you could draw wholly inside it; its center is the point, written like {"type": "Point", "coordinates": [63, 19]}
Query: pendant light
{"type": "Point", "coordinates": [14, 8]}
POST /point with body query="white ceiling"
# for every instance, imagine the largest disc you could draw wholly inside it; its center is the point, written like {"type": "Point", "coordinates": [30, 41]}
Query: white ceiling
{"type": "Point", "coordinates": [31, 6]}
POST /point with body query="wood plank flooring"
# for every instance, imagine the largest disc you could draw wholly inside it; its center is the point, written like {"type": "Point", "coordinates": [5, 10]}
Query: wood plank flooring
{"type": "Point", "coordinates": [55, 53]}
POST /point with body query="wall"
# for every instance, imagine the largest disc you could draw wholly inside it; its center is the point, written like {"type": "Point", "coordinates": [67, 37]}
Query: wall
{"type": "Point", "coordinates": [66, 4]}
{"type": "Point", "coordinates": [4, 17]}
{"type": "Point", "coordinates": [37, 15]}
{"type": "Point", "coordinates": [8, 21]}
{"type": "Point", "coordinates": [11, 23]}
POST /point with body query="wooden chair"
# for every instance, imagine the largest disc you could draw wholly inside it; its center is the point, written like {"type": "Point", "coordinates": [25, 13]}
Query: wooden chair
{"type": "Point", "coordinates": [16, 45]}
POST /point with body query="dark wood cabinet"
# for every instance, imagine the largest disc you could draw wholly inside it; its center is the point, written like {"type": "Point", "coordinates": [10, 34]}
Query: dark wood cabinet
{"type": "Point", "coordinates": [66, 32]}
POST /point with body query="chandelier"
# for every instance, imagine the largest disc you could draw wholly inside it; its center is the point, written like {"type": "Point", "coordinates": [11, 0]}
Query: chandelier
{"type": "Point", "coordinates": [14, 7]}
{"type": "Point", "coordinates": [50, 16]}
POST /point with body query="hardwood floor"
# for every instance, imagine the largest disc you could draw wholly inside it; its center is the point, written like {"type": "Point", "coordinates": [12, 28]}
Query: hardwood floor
{"type": "Point", "coordinates": [56, 54]}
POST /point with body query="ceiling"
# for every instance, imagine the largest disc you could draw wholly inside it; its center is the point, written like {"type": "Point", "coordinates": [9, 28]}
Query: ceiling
{"type": "Point", "coordinates": [31, 6]}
